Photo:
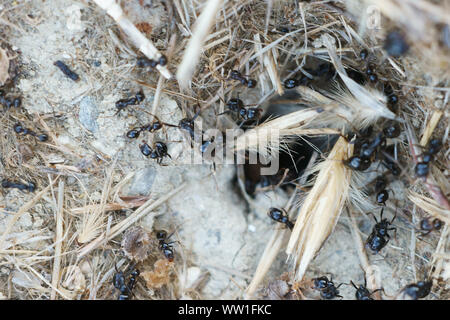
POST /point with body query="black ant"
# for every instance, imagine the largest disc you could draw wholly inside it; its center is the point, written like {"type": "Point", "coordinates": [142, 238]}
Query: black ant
{"type": "Point", "coordinates": [187, 124]}
{"type": "Point", "coordinates": [388, 160]}
{"type": "Point", "coordinates": [382, 197]}
{"type": "Point", "coordinates": [8, 103]}
{"type": "Point", "coordinates": [159, 152]}
{"type": "Point", "coordinates": [327, 288]}
{"type": "Point", "coordinates": [368, 149]}
{"type": "Point", "coordinates": [392, 98]}
{"type": "Point", "coordinates": [165, 247]}
{"type": "Point", "coordinates": [119, 283]}
{"type": "Point", "coordinates": [123, 103]}
{"type": "Point", "coordinates": [143, 62]}
{"type": "Point", "coordinates": [418, 290]}
{"type": "Point", "coordinates": [380, 188]}
{"type": "Point", "coordinates": [30, 187]}
{"type": "Point", "coordinates": [370, 70]}
{"type": "Point", "coordinates": [236, 75]}
{"type": "Point", "coordinates": [151, 127]}
{"type": "Point", "coordinates": [362, 293]}
{"type": "Point", "coordinates": [364, 54]}
{"type": "Point", "coordinates": [433, 147]}
{"type": "Point", "coordinates": [291, 83]}
{"type": "Point", "coordinates": [236, 105]}
{"type": "Point", "coordinates": [377, 239]}
{"type": "Point", "coordinates": [358, 163]}
{"type": "Point", "coordinates": [66, 70]}
{"type": "Point", "coordinates": [19, 129]}
{"type": "Point", "coordinates": [395, 44]}
{"type": "Point", "coordinates": [426, 226]}
{"type": "Point", "coordinates": [280, 215]}
{"type": "Point", "coordinates": [392, 130]}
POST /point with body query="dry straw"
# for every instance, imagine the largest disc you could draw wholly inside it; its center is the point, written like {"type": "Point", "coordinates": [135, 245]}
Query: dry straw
{"type": "Point", "coordinates": [138, 39]}
{"type": "Point", "coordinates": [202, 29]}
{"type": "Point", "coordinates": [321, 209]}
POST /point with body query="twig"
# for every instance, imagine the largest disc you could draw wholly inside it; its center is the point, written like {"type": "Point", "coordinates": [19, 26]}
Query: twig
{"type": "Point", "coordinates": [139, 40]}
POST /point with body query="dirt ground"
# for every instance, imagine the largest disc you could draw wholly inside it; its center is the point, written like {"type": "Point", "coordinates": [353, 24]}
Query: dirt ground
{"type": "Point", "coordinates": [220, 237]}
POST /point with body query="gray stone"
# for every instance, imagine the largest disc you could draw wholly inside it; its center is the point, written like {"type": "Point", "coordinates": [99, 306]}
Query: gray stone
{"type": "Point", "coordinates": [142, 182]}
{"type": "Point", "coordinates": [88, 114]}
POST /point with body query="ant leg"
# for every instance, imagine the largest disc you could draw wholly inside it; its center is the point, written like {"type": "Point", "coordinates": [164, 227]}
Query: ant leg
{"type": "Point", "coordinates": [347, 284]}
{"type": "Point", "coordinates": [225, 112]}
{"type": "Point", "coordinates": [375, 218]}
{"type": "Point", "coordinates": [395, 231]}
{"type": "Point", "coordinates": [376, 290]}
{"type": "Point", "coordinates": [395, 216]}
{"type": "Point", "coordinates": [425, 233]}
{"type": "Point", "coordinates": [355, 285]}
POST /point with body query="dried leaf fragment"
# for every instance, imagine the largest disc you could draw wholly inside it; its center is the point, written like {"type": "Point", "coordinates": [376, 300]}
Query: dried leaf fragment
{"type": "Point", "coordinates": [4, 67]}
{"type": "Point", "coordinates": [160, 275]}
{"type": "Point", "coordinates": [136, 244]}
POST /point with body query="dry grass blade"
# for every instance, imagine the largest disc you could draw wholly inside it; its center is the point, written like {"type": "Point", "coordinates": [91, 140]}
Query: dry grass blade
{"type": "Point", "coordinates": [202, 28]}
{"type": "Point", "coordinates": [431, 125]}
{"type": "Point", "coordinates": [109, 206]}
{"type": "Point", "coordinates": [430, 206]}
{"type": "Point", "coordinates": [92, 223]}
{"type": "Point", "coordinates": [27, 206]}
{"type": "Point", "coordinates": [269, 65]}
{"type": "Point", "coordinates": [374, 101]}
{"type": "Point", "coordinates": [58, 240]}
{"type": "Point", "coordinates": [276, 241]}
{"type": "Point", "coordinates": [430, 183]}
{"type": "Point", "coordinates": [139, 40]}
{"type": "Point", "coordinates": [321, 208]}
{"type": "Point", "coordinates": [372, 283]}
{"type": "Point", "coordinates": [4, 66]}
{"type": "Point", "coordinates": [252, 138]}
{"type": "Point", "coordinates": [141, 212]}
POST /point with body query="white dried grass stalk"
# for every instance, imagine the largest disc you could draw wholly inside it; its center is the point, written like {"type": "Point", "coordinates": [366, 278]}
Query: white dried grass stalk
{"type": "Point", "coordinates": [431, 125]}
{"type": "Point", "coordinates": [344, 108]}
{"type": "Point", "coordinates": [430, 206]}
{"type": "Point", "coordinates": [202, 29]}
{"type": "Point", "coordinates": [368, 97]}
{"type": "Point", "coordinates": [276, 241]}
{"type": "Point", "coordinates": [251, 138]}
{"type": "Point", "coordinates": [371, 276]}
{"type": "Point", "coordinates": [336, 112]}
{"type": "Point", "coordinates": [138, 39]}
{"type": "Point", "coordinates": [58, 240]}
{"type": "Point", "coordinates": [321, 209]}
{"type": "Point", "coordinates": [270, 253]}
{"type": "Point", "coordinates": [437, 263]}
{"type": "Point", "coordinates": [269, 64]}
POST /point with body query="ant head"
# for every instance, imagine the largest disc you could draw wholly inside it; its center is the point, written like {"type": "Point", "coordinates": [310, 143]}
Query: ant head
{"type": "Point", "coordinates": [161, 234]}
